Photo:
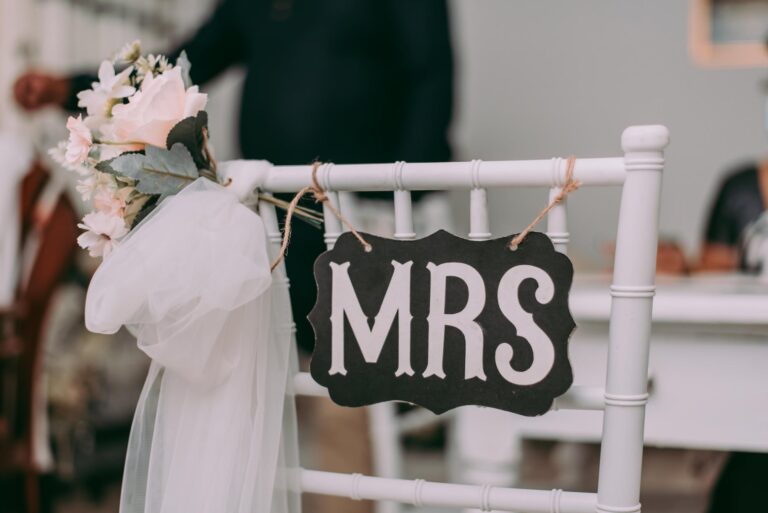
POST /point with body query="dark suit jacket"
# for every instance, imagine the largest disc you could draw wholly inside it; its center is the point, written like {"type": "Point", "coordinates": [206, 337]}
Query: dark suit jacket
{"type": "Point", "coordinates": [341, 81]}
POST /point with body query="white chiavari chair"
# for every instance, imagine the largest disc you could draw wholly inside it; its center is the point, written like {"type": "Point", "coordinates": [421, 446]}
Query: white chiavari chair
{"type": "Point", "coordinates": [623, 399]}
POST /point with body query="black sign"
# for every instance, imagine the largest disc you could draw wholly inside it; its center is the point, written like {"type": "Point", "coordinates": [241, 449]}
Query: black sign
{"type": "Point", "coordinates": [443, 322]}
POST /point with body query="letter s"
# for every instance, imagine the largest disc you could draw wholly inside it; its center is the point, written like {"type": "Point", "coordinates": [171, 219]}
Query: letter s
{"type": "Point", "coordinates": [543, 350]}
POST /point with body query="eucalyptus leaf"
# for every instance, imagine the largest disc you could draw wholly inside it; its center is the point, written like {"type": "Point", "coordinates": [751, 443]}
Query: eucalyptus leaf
{"type": "Point", "coordinates": [183, 62]}
{"type": "Point", "coordinates": [158, 171]}
{"type": "Point", "coordinates": [105, 166]}
{"type": "Point", "coordinates": [189, 132]}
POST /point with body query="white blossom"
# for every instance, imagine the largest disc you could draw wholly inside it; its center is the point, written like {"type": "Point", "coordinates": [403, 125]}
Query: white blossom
{"type": "Point", "coordinates": [130, 52]}
{"type": "Point", "coordinates": [101, 97]}
{"type": "Point", "coordinates": [151, 65]}
{"type": "Point", "coordinates": [102, 231]}
{"type": "Point", "coordinates": [108, 202]}
{"type": "Point", "coordinates": [58, 154]}
{"type": "Point", "coordinates": [96, 181]}
{"type": "Point", "coordinates": [80, 141]}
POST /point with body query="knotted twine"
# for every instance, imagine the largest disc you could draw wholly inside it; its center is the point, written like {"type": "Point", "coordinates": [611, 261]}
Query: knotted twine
{"type": "Point", "coordinates": [569, 186]}
{"type": "Point", "coordinates": [320, 196]}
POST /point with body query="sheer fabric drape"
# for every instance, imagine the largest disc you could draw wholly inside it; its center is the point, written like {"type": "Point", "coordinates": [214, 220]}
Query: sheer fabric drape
{"type": "Point", "coordinates": [214, 430]}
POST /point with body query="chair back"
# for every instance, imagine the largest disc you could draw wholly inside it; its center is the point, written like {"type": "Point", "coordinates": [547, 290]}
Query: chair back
{"type": "Point", "coordinates": [638, 173]}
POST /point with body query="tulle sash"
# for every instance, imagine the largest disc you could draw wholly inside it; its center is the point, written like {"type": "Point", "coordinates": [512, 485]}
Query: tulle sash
{"type": "Point", "coordinates": [215, 427]}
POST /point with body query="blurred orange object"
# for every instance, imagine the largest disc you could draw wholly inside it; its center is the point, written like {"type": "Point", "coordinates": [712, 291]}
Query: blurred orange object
{"type": "Point", "coordinates": [670, 258]}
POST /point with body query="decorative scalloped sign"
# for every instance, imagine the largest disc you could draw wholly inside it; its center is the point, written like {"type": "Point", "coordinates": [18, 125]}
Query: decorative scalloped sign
{"type": "Point", "coordinates": [443, 322]}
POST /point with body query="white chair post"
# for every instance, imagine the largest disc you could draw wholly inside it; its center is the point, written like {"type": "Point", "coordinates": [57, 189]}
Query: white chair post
{"type": "Point", "coordinates": [383, 425]}
{"type": "Point", "coordinates": [387, 453]}
{"type": "Point", "coordinates": [333, 226]}
{"type": "Point", "coordinates": [382, 417]}
{"type": "Point", "coordinates": [479, 225]}
{"type": "Point", "coordinates": [478, 456]}
{"type": "Point", "coordinates": [269, 218]}
{"type": "Point", "coordinates": [632, 296]}
{"type": "Point", "coordinates": [279, 276]}
{"type": "Point", "coordinates": [557, 219]}
{"type": "Point", "coordinates": [403, 206]}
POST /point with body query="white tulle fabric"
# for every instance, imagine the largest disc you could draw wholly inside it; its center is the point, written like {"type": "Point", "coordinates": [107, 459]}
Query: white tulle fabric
{"type": "Point", "coordinates": [214, 430]}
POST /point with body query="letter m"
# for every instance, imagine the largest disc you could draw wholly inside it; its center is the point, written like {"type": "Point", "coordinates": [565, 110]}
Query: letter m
{"type": "Point", "coordinates": [396, 302]}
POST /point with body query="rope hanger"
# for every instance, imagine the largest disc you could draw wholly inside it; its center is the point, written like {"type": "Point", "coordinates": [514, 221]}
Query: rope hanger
{"type": "Point", "coordinates": [569, 186]}
{"type": "Point", "coordinates": [320, 196]}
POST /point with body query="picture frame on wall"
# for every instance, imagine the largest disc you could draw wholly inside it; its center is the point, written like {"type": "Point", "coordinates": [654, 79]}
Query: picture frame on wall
{"type": "Point", "coordinates": [729, 33]}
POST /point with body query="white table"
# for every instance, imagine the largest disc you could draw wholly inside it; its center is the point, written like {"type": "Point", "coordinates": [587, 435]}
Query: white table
{"type": "Point", "coordinates": [708, 371]}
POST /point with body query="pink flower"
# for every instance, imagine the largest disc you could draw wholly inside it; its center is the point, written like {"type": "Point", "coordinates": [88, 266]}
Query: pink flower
{"type": "Point", "coordinates": [102, 233]}
{"type": "Point", "coordinates": [107, 202]}
{"type": "Point", "coordinates": [80, 141]}
{"type": "Point", "coordinates": [151, 112]}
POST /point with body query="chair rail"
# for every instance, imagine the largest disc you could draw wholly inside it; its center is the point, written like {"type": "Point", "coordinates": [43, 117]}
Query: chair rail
{"type": "Point", "coordinates": [446, 175]}
{"type": "Point", "coordinates": [427, 493]}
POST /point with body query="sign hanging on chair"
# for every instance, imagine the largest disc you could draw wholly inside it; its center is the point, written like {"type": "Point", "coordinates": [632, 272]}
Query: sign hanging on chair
{"type": "Point", "coordinates": [443, 322]}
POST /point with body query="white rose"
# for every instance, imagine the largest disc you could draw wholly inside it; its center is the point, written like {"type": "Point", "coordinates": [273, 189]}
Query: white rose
{"type": "Point", "coordinates": [152, 112]}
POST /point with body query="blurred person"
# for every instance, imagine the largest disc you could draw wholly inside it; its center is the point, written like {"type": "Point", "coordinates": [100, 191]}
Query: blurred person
{"type": "Point", "coordinates": [734, 240]}
{"type": "Point", "coordinates": [733, 233]}
{"type": "Point", "coordinates": [739, 204]}
{"type": "Point", "coordinates": [739, 208]}
{"type": "Point", "coordinates": [335, 80]}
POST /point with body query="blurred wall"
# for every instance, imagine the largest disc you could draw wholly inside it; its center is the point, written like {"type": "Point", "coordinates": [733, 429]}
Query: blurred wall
{"type": "Point", "coordinates": [543, 78]}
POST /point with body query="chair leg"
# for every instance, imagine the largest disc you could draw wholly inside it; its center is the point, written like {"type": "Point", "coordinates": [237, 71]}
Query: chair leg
{"type": "Point", "coordinates": [485, 449]}
{"type": "Point", "coordinates": [387, 451]}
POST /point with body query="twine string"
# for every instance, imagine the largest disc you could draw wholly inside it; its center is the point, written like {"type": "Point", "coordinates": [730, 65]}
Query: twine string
{"type": "Point", "coordinates": [320, 197]}
{"type": "Point", "coordinates": [568, 187]}
{"type": "Point", "coordinates": [318, 192]}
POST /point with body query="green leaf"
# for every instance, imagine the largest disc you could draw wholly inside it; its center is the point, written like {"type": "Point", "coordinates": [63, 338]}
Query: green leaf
{"type": "Point", "coordinates": [105, 166]}
{"type": "Point", "coordinates": [183, 62]}
{"type": "Point", "coordinates": [189, 132]}
{"type": "Point", "coordinates": [158, 171]}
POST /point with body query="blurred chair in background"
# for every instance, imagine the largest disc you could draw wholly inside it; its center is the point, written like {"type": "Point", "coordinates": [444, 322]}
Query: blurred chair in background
{"type": "Point", "coordinates": [34, 264]}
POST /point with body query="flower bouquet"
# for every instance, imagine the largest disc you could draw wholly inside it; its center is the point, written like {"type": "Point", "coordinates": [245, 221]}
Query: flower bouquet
{"type": "Point", "coordinates": [187, 271]}
{"type": "Point", "coordinates": [144, 138]}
